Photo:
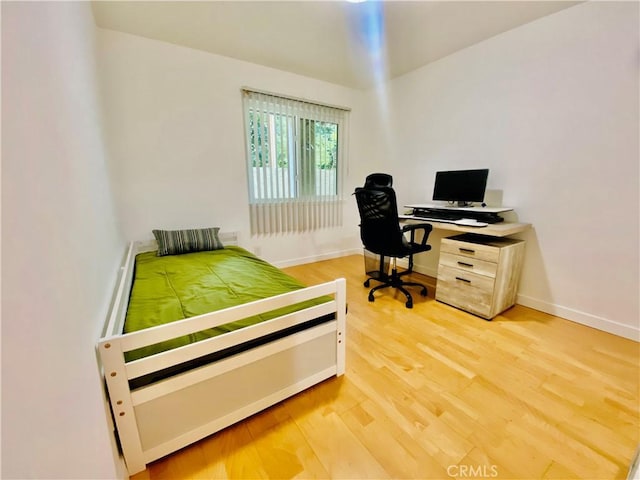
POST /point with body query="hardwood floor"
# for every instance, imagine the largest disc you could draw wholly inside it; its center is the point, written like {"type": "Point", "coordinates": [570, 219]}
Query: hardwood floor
{"type": "Point", "coordinates": [435, 393]}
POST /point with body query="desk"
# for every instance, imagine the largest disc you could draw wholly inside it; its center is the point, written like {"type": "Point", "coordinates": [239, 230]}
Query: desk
{"type": "Point", "coordinates": [478, 269]}
{"type": "Point", "coordinates": [502, 229]}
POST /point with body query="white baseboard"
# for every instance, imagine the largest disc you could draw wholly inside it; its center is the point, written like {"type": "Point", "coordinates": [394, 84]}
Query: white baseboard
{"type": "Point", "coordinates": [318, 258]}
{"type": "Point", "coordinates": [634, 468]}
{"type": "Point", "coordinates": [583, 318]}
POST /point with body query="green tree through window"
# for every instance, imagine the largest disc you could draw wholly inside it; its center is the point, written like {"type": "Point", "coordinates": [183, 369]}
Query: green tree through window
{"type": "Point", "coordinates": [290, 162]}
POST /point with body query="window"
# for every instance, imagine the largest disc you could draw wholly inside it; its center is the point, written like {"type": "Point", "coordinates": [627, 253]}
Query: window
{"type": "Point", "coordinates": [295, 163]}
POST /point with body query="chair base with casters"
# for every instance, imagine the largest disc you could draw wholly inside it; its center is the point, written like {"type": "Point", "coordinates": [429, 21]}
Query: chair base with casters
{"type": "Point", "coordinates": [395, 281]}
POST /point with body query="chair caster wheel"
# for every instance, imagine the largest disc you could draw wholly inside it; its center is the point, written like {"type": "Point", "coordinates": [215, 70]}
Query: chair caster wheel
{"type": "Point", "coordinates": [371, 299]}
{"type": "Point", "coordinates": [409, 304]}
{"type": "Point", "coordinates": [423, 292]}
{"type": "Point", "coordinates": [366, 283]}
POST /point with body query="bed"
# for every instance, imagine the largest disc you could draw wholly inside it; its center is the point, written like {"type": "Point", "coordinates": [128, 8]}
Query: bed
{"type": "Point", "coordinates": [179, 370]}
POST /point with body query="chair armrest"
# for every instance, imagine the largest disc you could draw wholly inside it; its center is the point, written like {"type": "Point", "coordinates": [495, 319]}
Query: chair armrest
{"type": "Point", "coordinates": [412, 227]}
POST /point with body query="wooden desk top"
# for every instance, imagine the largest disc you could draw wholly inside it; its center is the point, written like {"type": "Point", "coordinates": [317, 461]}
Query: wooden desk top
{"type": "Point", "coordinates": [502, 229]}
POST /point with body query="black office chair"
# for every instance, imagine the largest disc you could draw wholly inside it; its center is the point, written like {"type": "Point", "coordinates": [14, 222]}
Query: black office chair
{"type": "Point", "coordinates": [382, 235]}
{"type": "Point", "coordinates": [378, 180]}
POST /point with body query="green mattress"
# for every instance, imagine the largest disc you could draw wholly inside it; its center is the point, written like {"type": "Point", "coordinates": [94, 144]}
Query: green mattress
{"type": "Point", "coordinates": [175, 287]}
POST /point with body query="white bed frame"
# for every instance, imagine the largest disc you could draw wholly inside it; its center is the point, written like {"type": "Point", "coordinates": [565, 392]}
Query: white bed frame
{"type": "Point", "coordinates": [160, 418]}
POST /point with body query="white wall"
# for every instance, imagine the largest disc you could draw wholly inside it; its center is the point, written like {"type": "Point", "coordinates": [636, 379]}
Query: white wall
{"type": "Point", "coordinates": [552, 109]}
{"type": "Point", "coordinates": [60, 246]}
{"type": "Point", "coordinates": [176, 135]}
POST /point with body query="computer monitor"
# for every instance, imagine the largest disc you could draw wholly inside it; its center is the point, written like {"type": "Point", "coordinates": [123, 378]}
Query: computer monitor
{"type": "Point", "coordinates": [461, 186]}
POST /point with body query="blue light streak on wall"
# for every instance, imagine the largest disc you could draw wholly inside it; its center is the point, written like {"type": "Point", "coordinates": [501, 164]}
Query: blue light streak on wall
{"type": "Point", "coordinates": [367, 23]}
{"type": "Point", "coordinates": [368, 35]}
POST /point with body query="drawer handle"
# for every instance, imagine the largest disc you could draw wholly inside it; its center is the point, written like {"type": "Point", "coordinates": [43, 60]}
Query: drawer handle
{"type": "Point", "coordinates": [467, 250]}
{"type": "Point", "coordinates": [463, 264]}
{"type": "Point", "coordinates": [463, 279]}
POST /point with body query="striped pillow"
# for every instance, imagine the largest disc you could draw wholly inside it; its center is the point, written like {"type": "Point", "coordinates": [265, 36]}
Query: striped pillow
{"type": "Point", "coordinates": [174, 242]}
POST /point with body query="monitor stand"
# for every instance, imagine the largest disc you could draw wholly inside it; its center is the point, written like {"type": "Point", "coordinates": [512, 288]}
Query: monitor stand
{"type": "Point", "coordinates": [479, 208]}
{"type": "Point", "coordinates": [480, 215]}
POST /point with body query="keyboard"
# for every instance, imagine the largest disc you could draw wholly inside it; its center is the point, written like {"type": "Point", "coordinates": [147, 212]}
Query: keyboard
{"type": "Point", "coordinates": [433, 215]}
{"type": "Point", "coordinates": [473, 219]}
{"type": "Point", "coordinates": [446, 217]}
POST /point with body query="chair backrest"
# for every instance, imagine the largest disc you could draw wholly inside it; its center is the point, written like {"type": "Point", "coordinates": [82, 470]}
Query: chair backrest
{"type": "Point", "coordinates": [379, 224]}
{"type": "Point", "coordinates": [378, 180]}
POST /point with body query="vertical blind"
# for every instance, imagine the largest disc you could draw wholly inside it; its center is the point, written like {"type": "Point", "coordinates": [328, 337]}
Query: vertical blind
{"type": "Point", "coordinates": [295, 163]}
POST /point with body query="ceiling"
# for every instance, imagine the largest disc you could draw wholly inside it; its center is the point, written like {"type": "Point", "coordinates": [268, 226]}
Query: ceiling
{"type": "Point", "coordinates": [351, 44]}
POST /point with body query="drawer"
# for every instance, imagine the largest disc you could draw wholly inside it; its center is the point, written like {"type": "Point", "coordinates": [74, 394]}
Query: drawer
{"type": "Point", "coordinates": [469, 264]}
{"type": "Point", "coordinates": [488, 253]}
{"type": "Point", "coordinates": [465, 290]}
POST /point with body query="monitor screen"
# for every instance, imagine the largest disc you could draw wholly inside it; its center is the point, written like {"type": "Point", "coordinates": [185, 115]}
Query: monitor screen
{"type": "Point", "coordinates": [462, 186]}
